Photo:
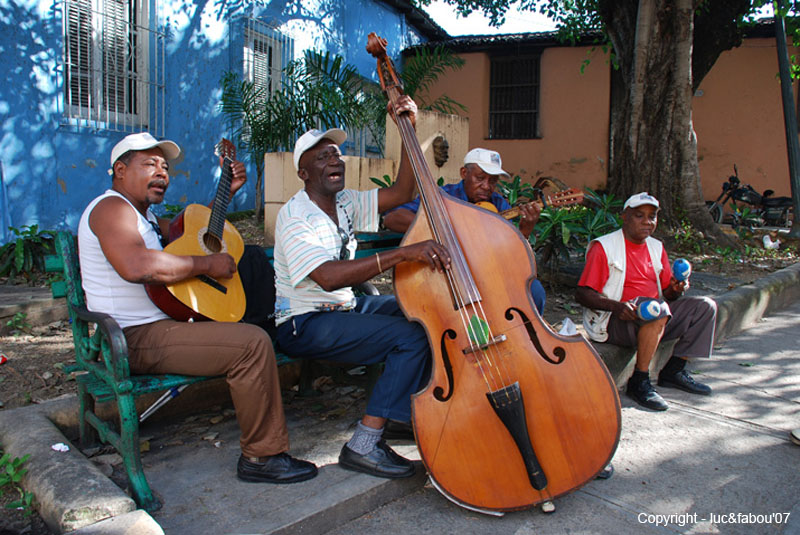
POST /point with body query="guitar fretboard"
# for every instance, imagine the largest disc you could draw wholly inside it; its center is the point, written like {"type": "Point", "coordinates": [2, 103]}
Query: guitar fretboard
{"type": "Point", "coordinates": [216, 223]}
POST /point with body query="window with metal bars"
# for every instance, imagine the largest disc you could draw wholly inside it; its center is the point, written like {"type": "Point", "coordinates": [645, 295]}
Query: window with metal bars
{"type": "Point", "coordinates": [107, 79]}
{"type": "Point", "coordinates": [266, 52]}
{"type": "Point", "coordinates": [514, 97]}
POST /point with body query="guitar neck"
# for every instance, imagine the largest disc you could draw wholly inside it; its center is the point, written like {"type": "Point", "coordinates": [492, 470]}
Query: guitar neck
{"type": "Point", "coordinates": [554, 200]}
{"type": "Point", "coordinates": [216, 223]}
{"type": "Point", "coordinates": [514, 211]}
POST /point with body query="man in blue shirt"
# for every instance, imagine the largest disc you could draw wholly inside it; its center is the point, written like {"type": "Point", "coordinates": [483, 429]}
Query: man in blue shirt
{"type": "Point", "coordinates": [479, 175]}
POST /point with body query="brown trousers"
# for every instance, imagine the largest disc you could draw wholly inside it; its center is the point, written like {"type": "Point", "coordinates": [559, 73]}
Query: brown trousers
{"type": "Point", "coordinates": [241, 352]}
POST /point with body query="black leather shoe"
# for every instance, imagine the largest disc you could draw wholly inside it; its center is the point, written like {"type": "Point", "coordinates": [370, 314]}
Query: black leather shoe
{"type": "Point", "coordinates": [395, 430]}
{"type": "Point", "coordinates": [382, 461]}
{"type": "Point", "coordinates": [606, 472]}
{"type": "Point", "coordinates": [685, 382]}
{"type": "Point", "coordinates": [644, 394]}
{"type": "Point", "coordinates": [280, 468]}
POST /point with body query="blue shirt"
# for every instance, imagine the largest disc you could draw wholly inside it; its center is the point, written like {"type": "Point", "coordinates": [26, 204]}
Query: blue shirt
{"type": "Point", "coordinates": [457, 191]}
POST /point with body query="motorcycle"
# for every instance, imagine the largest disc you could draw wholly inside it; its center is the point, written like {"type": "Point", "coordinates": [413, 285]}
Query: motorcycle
{"type": "Point", "coordinates": [767, 210]}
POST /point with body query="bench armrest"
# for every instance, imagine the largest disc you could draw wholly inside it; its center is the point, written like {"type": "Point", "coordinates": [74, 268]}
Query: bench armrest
{"type": "Point", "coordinates": [107, 343]}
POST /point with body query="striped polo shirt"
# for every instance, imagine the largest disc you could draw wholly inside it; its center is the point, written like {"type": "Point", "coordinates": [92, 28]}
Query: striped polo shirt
{"type": "Point", "coordinates": [305, 238]}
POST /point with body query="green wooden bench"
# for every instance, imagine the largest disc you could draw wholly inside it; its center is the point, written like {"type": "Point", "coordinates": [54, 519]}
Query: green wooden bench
{"type": "Point", "coordinates": [103, 374]}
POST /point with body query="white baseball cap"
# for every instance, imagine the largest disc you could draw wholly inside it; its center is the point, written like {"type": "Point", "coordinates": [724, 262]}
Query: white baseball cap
{"type": "Point", "coordinates": [144, 141]}
{"type": "Point", "coordinates": [486, 159]}
{"type": "Point", "coordinates": [640, 199]}
{"type": "Point", "coordinates": [312, 137]}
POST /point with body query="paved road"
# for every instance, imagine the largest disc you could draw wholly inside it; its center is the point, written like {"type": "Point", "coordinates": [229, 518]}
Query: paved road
{"type": "Point", "coordinates": [727, 455]}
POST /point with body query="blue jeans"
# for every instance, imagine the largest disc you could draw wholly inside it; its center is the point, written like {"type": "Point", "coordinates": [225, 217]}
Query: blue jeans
{"type": "Point", "coordinates": [537, 293]}
{"type": "Point", "coordinates": [375, 331]}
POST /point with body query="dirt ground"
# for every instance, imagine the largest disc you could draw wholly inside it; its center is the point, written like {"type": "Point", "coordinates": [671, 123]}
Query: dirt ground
{"type": "Point", "coordinates": [37, 355]}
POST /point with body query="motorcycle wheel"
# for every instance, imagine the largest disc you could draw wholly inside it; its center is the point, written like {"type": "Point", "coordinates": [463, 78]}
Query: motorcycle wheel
{"type": "Point", "coordinates": [715, 210]}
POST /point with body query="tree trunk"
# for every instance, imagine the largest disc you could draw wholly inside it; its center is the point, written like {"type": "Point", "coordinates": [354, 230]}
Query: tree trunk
{"type": "Point", "coordinates": [653, 144]}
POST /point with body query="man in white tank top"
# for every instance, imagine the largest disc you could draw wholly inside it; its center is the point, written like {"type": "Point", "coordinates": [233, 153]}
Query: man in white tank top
{"type": "Point", "coordinates": [120, 249]}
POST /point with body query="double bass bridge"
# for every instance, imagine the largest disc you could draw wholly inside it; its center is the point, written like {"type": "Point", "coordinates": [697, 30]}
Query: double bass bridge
{"type": "Point", "coordinates": [476, 348]}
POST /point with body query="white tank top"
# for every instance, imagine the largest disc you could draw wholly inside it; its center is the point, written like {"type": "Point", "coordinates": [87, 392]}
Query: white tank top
{"type": "Point", "coordinates": [105, 290]}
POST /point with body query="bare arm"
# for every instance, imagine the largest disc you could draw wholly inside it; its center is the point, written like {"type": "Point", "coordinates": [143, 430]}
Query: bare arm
{"type": "Point", "coordinates": [591, 298]}
{"type": "Point", "coordinates": [398, 220]}
{"type": "Point", "coordinates": [115, 224]}
{"type": "Point", "coordinates": [342, 273]}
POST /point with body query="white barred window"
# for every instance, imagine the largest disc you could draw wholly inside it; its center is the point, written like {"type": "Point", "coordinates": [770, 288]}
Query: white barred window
{"type": "Point", "coordinates": [113, 65]}
{"type": "Point", "coordinates": [266, 52]}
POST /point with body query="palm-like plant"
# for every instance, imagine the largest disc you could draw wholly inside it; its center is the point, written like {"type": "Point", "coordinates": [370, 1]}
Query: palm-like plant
{"type": "Point", "coordinates": [322, 91]}
{"type": "Point", "coordinates": [318, 91]}
{"type": "Point", "coordinates": [421, 71]}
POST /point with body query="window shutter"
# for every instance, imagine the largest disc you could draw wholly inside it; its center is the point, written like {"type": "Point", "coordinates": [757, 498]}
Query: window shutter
{"type": "Point", "coordinates": [78, 52]}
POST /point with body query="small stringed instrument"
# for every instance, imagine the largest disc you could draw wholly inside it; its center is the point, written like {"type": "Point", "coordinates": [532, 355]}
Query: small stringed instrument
{"type": "Point", "coordinates": [560, 198]}
{"type": "Point", "coordinates": [199, 231]}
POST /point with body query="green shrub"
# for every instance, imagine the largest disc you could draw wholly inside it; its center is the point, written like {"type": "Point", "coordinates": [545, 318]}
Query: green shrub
{"type": "Point", "coordinates": [23, 257]}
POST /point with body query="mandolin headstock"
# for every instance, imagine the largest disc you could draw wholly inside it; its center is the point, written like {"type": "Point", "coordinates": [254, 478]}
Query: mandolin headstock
{"type": "Point", "coordinates": [566, 197]}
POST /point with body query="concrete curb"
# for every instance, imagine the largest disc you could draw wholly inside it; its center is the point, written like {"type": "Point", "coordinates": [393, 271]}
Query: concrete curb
{"type": "Point", "coordinates": [73, 494]}
{"type": "Point", "coordinates": [745, 305]}
{"type": "Point", "coordinates": [71, 491]}
{"type": "Point", "coordinates": [737, 310]}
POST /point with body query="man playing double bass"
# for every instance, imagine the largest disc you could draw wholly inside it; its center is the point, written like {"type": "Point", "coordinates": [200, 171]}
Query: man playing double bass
{"type": "Point", "coordinates": [479, 175]}
{"type": "Point", "coordinates": [318, 315]}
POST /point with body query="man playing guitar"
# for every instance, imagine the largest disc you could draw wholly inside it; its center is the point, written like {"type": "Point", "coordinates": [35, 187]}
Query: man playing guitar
{"type": "Point", "coordinates": [479, 175]}
{"type": "Point", "coordinates": [120, 248]}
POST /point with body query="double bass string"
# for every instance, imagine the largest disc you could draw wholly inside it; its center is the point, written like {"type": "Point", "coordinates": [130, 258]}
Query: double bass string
{"type": "Point", "coordinates": [490, 362]}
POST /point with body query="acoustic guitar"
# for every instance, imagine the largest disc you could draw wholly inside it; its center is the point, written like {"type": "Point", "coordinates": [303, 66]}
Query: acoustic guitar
{"type": "Point", "coordinates": [566, 197]}
{"type": "Point", "coordinates": [199, 231]}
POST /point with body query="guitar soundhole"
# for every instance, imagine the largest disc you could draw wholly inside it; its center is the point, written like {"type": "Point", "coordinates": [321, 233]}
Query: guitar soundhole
{"type": "Point", "coordinates": [212, 243]}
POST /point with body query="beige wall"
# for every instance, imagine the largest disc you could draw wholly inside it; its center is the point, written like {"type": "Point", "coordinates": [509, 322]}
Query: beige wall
{"type": "Point", "coordinates": [739, 120]}
{"type": "Point", "coordinates": [281, 180]}
{"type": "Point", "coordinates": [430, 124]}
{"type": "Point", "coordinates": [574, 116]}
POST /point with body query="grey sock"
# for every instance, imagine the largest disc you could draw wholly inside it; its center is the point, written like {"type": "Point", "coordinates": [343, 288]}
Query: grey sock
{"type": "Point", "coordinates": [364, 439]}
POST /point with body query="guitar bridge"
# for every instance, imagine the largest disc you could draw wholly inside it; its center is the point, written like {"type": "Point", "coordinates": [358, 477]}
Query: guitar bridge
{"type": "Point", "coordinates": [213, 283]}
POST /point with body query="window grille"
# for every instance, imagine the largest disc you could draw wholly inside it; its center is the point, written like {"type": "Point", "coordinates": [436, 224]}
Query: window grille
{"type": "Point", "coordinates": [113, 65]}
{"type": "Point", "coordinates": [514, 97]}
{"type": "Point", "coordinates": [266, 52]}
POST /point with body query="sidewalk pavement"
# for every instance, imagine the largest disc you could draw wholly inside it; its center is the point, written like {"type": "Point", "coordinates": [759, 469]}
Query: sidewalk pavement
{"type": "Point", "coordinates": [728, 453]}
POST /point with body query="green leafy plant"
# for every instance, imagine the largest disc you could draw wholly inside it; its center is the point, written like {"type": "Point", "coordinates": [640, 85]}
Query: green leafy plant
{"type": "Point", "coordinates": [11, 472]}
{"type": "Point", "coordinates": [24, 256]}
{"type": "Point", "coordinates": [556, 234]}
{"type": "Point", "coordinates": [384, 182]}
{"type": "Point", "coordinates": [421, 71]}
{"type": "Point", "coordinates": [171, 210]}
{"type": "Point", "coordinates": [745, 220]}
{"type": "Point", "coordinates": [515, 190]}
{"type": "Point", "coordinates": [19, 323]}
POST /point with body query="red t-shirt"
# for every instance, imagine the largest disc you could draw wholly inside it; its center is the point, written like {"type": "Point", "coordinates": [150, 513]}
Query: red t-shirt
{"type": "Point", "coordinates": [640, 274]}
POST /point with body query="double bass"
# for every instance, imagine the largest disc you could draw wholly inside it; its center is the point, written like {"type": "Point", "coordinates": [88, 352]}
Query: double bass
{"type": "Point", "coordinates": [514, 413]}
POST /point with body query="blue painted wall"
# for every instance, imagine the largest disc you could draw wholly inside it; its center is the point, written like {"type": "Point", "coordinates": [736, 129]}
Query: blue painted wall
{"type": "Point", "coordinates": [51, 170]}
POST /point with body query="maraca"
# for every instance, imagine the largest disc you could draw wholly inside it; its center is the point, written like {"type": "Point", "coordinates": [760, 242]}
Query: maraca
{"type": "Point", "coordinates": [681, 269]}
{"type": "Point", "coordinates": [649, 310]}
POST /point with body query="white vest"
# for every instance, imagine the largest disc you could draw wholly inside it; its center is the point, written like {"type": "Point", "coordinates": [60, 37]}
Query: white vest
{"type": "Point", "coordinates": [106, 291]}
{"type": "Point", "coordinates": [596, 321]}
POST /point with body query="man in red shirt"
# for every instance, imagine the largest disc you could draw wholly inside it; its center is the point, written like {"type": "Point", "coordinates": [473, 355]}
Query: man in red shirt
{"type": "Point", "coordinates": [622, 270]}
